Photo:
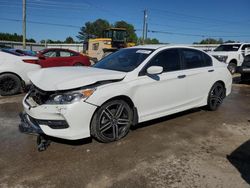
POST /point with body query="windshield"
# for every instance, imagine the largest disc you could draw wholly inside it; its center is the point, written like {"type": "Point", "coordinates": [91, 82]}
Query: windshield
{"type": "Point", "coordinates": [124, 60]}
{"type": "Point", "coordinates": [227, 47]}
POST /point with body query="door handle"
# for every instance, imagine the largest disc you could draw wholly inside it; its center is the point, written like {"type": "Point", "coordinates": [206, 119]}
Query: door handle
{"type": "Point", "coordinates": [181, 76]}
{"type": "Point", "coordinates": [212, 70]}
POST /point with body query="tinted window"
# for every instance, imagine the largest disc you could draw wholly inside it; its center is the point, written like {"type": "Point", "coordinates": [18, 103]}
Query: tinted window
{"type": "Point", "coordinates": [194, 59]}
{"type": "Point", "coordinates": [245, 46]}
{"type": "Point", "coordinates": [124, 60]}
{"type": "Point", "coordinates": [227, 47]}
{"type": "Point", "coordinates": [168, 59]}
{"type": "Point", "coordinates": [208, 60]}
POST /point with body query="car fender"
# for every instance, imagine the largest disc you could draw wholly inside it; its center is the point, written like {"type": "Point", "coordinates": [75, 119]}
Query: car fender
{"type": "Point", "coordinates": [109, 91]}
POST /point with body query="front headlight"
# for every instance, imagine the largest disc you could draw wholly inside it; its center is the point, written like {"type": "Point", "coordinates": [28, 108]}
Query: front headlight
{"type": "Point", "coordinates": [69, 98]}
{"type": "Point", "coordinates": [221, 58]}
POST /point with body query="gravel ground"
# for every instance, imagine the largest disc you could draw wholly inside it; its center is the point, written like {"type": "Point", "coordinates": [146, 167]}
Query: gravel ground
{"type": "Point", "coordinates": [196, 148]}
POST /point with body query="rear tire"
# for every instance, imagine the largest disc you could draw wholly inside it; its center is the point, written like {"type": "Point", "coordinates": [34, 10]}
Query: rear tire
{"type": "Point", "coordinates": [10, 84]}
{"type": "Point", "coordinates": [112, 121]}
{"type": "Point", "coordinates": [216, 96]}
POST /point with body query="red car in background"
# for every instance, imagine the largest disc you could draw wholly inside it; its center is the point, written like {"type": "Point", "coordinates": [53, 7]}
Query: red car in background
{"type": "Point", "coordinates": [55, 57]}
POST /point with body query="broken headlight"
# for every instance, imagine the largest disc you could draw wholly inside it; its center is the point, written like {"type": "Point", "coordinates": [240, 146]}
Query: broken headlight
{"type": "Point", "coordinates": [69, 98]}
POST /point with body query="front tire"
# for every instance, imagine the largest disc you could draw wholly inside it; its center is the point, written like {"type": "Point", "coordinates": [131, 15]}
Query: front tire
{"type": "Point", "coordinates": [111, 121]}
{"type": "Point", "coordinates": [232, 67]}
{"type": "Point", "coordinates": [10, 84]}
{"type": "Point", "coordinates": [216, 96]}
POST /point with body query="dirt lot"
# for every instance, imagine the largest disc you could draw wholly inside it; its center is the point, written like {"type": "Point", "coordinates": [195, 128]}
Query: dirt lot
{"type": "Point", "coordinates": [191, 149]}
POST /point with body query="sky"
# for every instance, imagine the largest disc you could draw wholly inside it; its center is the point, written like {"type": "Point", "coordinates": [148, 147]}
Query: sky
{"type": "Point", "coordinates": [170, 21]}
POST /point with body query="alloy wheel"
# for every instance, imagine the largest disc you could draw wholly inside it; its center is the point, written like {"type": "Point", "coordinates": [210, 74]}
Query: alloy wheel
{"type": "Point", "coordinates": [216, 96]}
{"type": "Point", "coordinates": [114, 121]}
{"type": "Point", "coordinates": [7, 84]}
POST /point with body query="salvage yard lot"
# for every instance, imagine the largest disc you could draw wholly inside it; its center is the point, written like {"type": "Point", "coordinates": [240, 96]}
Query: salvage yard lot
{"type": "Point", "coordinates": [196, 148]}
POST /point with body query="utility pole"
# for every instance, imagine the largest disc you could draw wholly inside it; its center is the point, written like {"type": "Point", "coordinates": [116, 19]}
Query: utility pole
{"type": "Point", "coordinates": [24, 24]}
{"type": "Point", "coordinates": [144, 30]}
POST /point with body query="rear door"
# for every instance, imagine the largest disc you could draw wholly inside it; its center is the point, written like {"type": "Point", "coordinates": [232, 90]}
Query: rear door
{"type": "Point", "coordinates": [67, 58]}
{"type": "Point", "coordinates": [51, 57]}
{"type": "Point", "coordinates": [199, 72]}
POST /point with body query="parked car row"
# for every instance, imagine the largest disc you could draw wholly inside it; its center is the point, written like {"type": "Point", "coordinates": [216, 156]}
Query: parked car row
{"type": "Point", "coordinates": [15, 65]}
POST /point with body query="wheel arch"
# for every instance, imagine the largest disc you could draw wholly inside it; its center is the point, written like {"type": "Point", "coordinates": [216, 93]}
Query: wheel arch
{"type": "Point", "coordinates": [234, 61]}
{"type": "Point", "coordinates": [20, 78]}
{"type": "Point", "coordinates": [125, 98]}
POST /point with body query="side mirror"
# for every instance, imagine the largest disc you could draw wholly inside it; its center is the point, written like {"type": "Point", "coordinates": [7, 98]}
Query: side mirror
{"type": "Point", "coordinates": [154, 70]}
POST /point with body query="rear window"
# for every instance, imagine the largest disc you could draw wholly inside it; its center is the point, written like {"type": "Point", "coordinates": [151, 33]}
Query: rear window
{"type": "Point", "coordinates": [195, 59]}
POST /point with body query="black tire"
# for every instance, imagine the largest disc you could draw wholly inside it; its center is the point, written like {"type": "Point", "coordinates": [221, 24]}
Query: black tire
{"type": "Point", "coordinates": [78, 64]}
{"type": "Point", "coordinates": [232, 67]}
{"type": "Point", "coordinates": [216, 96]}
{"type": "Point", "coordinates": [111, 121]}
{"type": "Point", "coordinates": [10, 84]}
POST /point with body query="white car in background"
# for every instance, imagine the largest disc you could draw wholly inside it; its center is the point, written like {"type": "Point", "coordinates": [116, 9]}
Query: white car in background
{"type": "Point", "coordinates": [13, 72]}
{"type": "Point", "coordinates": [127, 87]}
{"type": "Point", "coordinates": [232, 54]}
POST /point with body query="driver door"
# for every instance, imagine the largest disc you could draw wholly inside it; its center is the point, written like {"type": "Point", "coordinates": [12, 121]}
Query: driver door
{"type": "Point", "coordinates": [163, 94]}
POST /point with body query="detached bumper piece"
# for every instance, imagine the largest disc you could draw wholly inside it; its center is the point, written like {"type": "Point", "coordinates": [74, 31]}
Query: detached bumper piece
{"type": "Point", "coordinates": [29, 125]}
{"type": "Point", "coordinates": [32, 126]}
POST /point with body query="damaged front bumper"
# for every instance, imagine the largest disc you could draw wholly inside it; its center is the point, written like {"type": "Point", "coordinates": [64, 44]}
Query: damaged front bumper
{"type": "Point", "coordinates": [29, 125]}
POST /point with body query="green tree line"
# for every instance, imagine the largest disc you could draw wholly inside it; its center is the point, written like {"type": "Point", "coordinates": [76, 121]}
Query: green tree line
{"type": "Point", "coordinates": [14, 37]}
{"type": "Point", "coordinates": [95, 30]}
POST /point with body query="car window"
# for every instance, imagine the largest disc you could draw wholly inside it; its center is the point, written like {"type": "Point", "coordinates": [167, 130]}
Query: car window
{"type": "Point", "coordinates": [50, 54]}
{"type": "Point", "coordinates": [168, 59]}
{"type": "Point", "coordinates": [73, 54]}
{"type": "Point", "coordinates": [245, 46]}
{"type": "Point", "coordinates": [65, 54]}
{"type": "Point", "coordinates": [194, 59]}
{"type": "Point", "coordinates": [208, 60]}
{"type": "Point", "coordinates": [124, 60]}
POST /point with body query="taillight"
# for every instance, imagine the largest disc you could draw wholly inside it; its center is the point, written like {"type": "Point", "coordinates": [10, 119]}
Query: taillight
{"type": "Point", "coordinates": [32, 61]}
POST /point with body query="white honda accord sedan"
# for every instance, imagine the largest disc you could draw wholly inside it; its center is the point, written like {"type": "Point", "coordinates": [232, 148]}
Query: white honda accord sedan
{"type": "Point", "coordinates": [128, 87]}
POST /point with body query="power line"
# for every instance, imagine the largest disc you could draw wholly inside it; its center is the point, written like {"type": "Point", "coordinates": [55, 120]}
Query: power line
{"type": "Point", "coordinates": [191, 28]}
{"type": "Point", "coordinates": [41, 23]}
{"type": "Point", "coordinates": [199, 17]}
{"type": "Point", "coordinates": [197, 35]}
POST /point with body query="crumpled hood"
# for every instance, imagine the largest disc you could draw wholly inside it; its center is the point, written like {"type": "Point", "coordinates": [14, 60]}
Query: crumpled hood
{"type": "Point", "coordinates": [65, 78]}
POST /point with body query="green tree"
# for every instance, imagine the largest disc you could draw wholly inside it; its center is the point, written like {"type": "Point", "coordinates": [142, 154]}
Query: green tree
{"type": "Point", "coordinates": [69, 40]}
{"type": "Point", "coordinates": [149, 41]}
{"type": "Point", "coordinates": [230, 41]}
{"type": "Point", "coordinates": [152, 41]}
{"type": "Point", "coordinates": [14, 37]}
{"type": "Point", "coordinates": [132, 37]}
{"type": "Point", "coordinates": [210, 41]}
{"type": "Point", "coordinates": [93, 29]}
